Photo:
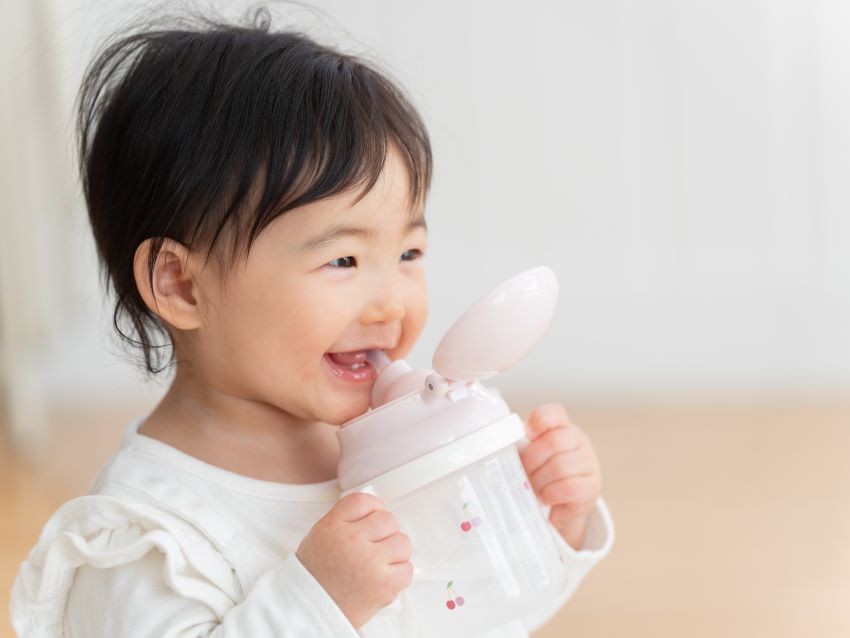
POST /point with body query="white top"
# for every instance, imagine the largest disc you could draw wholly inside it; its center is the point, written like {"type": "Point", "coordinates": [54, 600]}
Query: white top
{"type": "Point", "coordinates": [224, 565]}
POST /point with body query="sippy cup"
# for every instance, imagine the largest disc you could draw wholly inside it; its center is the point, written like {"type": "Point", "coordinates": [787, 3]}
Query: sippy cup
{"type": "Point", "coordinates": [440, 450]}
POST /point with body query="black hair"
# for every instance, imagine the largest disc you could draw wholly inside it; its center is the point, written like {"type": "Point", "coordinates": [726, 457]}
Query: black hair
{"type": "Point", "coordinates": [209, 130]}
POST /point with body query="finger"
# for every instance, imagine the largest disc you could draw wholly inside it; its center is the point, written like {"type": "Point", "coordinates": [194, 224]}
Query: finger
{"type": "Point", "coordinates": [380, 524]}
{"type": "Point", "coordinates": [552, 442]}
{"type": "Point", "coordinates": [560, 466]}
{"type": "Point", "coordinates": [397, 548]}
{"type": "Point", "coordinates": [575, 491]}
{"type": "Point", "coordinates": [356, 506]}
{"type": "Point", "coordinates": [545, 417]}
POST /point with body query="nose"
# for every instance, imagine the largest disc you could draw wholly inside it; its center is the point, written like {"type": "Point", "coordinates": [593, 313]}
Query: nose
{"type": "Point", "coordinates": [386, 303]}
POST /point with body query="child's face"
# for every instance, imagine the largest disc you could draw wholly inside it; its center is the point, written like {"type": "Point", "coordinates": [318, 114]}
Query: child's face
{"type": "Point", "coordinates": [268, 329]}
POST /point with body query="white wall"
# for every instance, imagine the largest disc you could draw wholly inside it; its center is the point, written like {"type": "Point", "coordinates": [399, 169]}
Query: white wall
{"type": "Point", "coordinates": [682, 166]}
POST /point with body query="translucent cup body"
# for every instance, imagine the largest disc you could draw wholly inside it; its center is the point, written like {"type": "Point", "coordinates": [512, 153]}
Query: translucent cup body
{"type": "Point", "coordinates": [483, 551]}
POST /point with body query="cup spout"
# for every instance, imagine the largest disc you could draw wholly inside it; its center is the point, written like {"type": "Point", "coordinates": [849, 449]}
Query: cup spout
{"type": "Point", "coordinates": [378, 359]}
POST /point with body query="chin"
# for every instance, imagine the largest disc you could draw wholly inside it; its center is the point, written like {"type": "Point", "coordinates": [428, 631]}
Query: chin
{"type": "Point", "coordinates": [348, 412]}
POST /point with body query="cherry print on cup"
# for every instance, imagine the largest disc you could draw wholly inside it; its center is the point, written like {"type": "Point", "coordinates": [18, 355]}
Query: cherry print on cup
{"type": "Point", "coordinates": [467, 525]}
{"type": "Point", "coordinates": [454, 600]}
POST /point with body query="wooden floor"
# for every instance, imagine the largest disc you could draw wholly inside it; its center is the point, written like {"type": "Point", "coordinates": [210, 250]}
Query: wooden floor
{"type": "Point", "coordinates": [732, 521]}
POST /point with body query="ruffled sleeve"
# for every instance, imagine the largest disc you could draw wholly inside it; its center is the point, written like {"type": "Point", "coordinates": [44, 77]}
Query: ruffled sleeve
{"type": "Point", "coordinates": [105, 568]}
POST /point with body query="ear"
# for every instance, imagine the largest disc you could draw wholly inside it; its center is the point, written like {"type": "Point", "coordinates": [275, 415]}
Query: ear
{"type": "Point", "coordinates": [175, 292]}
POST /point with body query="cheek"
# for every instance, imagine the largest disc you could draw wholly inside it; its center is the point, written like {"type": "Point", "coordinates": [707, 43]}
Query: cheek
{"type": "Point", "coordinates": [311, 324]}
{"type": "Point", "coordinates": [282, 329]}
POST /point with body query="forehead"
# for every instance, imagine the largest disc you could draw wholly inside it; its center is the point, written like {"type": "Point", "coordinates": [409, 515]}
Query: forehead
{"type": "Point", "coordinates": [386, 210]}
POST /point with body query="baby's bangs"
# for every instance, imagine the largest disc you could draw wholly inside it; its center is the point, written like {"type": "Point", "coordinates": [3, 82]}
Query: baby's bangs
{"type": "Point", "coordinates": [309, 135]}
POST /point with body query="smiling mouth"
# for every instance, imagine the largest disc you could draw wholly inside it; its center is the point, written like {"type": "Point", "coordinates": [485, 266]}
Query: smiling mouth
{"type": "Point", "coordinates": [351, 367]}
{"type": "Point", "coordinates": [352, 360]}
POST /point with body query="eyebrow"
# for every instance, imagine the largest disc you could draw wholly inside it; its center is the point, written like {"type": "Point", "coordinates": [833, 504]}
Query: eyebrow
{"type": "Point", "coordinates": [333, 233]}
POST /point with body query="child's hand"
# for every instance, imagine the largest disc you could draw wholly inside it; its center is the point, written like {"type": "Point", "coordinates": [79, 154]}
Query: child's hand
{"type": "Point", "coordinates": [359, 556]}
{"type": "Point", "coordinates": [563, 470]}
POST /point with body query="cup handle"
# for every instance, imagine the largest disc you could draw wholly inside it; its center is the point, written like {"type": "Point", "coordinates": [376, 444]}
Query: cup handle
{"type": "Point", "coordinates": [368, 489]}
{"type": "Point", "coordinates": [522, 443]}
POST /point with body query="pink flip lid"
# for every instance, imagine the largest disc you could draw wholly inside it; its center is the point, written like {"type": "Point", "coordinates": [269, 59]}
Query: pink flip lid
{"type": "Point", "coordinates": [500, 329]}
{"type": "Point", "coordinates": [417, 411]}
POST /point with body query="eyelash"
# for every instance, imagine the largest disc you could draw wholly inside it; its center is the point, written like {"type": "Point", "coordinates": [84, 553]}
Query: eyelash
{"type": "Point", "coordinates": [413, 250]}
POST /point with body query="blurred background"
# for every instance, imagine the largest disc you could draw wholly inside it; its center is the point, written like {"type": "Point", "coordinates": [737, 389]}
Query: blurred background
{"type": "Point", "coordinates": [681, 165]}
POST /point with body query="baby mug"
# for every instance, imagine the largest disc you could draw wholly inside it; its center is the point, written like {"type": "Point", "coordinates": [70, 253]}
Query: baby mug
{"type": "Point", "coordinates": [441, 451]}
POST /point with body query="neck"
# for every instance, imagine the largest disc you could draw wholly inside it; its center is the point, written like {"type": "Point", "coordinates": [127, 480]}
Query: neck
{"type": "Point", "coordinates": [242, 435]}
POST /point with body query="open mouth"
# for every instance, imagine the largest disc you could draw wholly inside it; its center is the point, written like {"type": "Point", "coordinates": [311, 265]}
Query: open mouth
{"type": "Point", "coordinates": [351, 367]}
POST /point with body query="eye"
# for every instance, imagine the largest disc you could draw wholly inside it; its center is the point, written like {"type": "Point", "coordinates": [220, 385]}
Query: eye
{"type": "Point", "coordinates": [415, 252]}
{"type": "Point", "coordinates": [342, 262]}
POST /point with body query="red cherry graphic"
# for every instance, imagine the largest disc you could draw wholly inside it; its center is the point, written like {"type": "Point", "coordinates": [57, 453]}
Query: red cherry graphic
{"type": "Point", "coordinates": [458, 600]}
{"type": "Point", "coordinates": [474, 522]}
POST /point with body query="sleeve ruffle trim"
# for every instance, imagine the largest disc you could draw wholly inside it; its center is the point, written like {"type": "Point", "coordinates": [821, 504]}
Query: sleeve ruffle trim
{"type": "Point", "coordinates": [105, 532]}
